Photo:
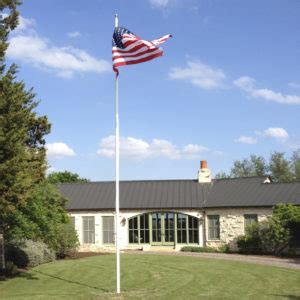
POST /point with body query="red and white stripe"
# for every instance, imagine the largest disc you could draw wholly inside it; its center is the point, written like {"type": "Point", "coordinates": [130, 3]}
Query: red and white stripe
{"type": "Point", "coordinates": [136, 50]}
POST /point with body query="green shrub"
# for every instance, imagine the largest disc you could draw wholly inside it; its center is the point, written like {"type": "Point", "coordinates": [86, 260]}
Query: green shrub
{"type": "Point", "coordinates": [28, 253]}
{"type": "Point", "coordinates": [251, 242]}
{"type": "Point", "coordinates": [11, 269]}
{"type": "Point", "coordinates": [276, 235]}
{"type": "Point", "coordinates": [224, 249]}
{"type": "Point", "coordinates": [198, 249]}
{"type": "Point", "coordinates": [14, 252]}
{"type": "Point", "coordinates": [67, 240]}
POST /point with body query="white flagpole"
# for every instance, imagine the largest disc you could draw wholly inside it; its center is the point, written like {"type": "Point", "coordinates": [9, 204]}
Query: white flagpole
{"type": "Point", "coordinates": [117, 137]}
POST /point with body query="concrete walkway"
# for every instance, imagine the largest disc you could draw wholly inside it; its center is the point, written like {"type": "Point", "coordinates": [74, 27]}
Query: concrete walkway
{"type": "Point", "coordinates": [291, 263]}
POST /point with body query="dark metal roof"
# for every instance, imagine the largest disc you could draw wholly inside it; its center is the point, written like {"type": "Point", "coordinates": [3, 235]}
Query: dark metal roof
{"type": "Point", "coordinates": [251, 191]}
{"type": "Point", "coordinates": [184, 194]}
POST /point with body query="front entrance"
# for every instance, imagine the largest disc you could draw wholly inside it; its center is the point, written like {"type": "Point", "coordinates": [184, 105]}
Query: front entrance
{"type": "Point", "coordinates": [163, 225]}
{"type": "Point", "coordinates": [161, 228]}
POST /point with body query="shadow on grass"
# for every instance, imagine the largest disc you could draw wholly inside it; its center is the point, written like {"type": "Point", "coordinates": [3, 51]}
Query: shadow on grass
{"type": "Point", "coordinates": [292, 297]}
{"type": "Point", "coordinates": [72, 281]}
{"type": "Point", "coordinates": [22, 274]}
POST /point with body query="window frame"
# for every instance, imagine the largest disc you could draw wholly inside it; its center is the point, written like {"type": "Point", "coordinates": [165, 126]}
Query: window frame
{"type": "Point", "coordinates": [209, 227]}
{"type": "Point", "coordinates": [253, 218]}
{"type": "Point", "coordinates": [184, 231]}
{"type": "Point", "coordinates": [139, 229]}
{"type": "Point", "coordinates": [108, 230]}
{"type": "Point", "coordinates": [192, 229]}
{"type": "Point", "coordinates": [88, 230]}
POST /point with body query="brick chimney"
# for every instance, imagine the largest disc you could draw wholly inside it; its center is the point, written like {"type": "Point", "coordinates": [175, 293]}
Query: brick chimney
{"type": "Point", "coordinates": [204, 174]}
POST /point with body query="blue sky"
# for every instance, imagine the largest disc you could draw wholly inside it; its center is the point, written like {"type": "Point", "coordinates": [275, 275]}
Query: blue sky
{"type": "Point", "coordinates": [227, 86]}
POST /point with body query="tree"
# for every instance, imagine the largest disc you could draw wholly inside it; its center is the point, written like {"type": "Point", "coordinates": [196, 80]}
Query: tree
{"type": "Point", "coordinates": [253, 166]}
{"type": "Point", "coordinates": [222, 175]}
{"type": "Point", "coordinates": [295, 164]}
{"type": "Point", "coordinates": [64, 177]}
{"type": "Point", "coordinates": [6, 26]}
{"type": "Point", "coordinates": [280, 168]}
{"type": "Point", "coordinates": [22, 143]}
{"type": "Point", "coordinates": [45, 218]}
{"type": "Point", "coordinates": [30, 206]}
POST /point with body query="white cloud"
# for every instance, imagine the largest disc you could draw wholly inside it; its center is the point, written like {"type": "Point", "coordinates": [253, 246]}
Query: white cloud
{"type": "Point", "coordinates": [64, 61]}
{"type": "Point", "coordinates": [59, 150]}
{"type": "Point", "coordinates": [159, 3]}
{"type": "Point", "coordinates": [247, 84]}
{"type": "Point", "coordinates": [192, 151]}
{"type": "Point", "coordinates": [74, 34]}
{"type": "Point", "coordinates": [25, 23]}
{"type": "Point", "coordinates": [294, 85]}
{"type": "Point", "coordinates": [26, 45]}
{"type": "Point", "coordinates": [199, 74]}
{"type": "Point", "coordinates": [246, 140]}
{"type": "Point", "coordinates": [137, 149]}
{"type": "Point", "coordinates": [276, 132]}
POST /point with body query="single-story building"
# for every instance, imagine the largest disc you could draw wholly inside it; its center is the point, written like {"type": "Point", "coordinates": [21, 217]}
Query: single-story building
{"type": "Point", "coordinates": [173, 213]}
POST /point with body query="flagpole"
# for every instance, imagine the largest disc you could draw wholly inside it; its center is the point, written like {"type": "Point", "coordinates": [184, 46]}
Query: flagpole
{"type": "Point", "coordinates": [117, 137]}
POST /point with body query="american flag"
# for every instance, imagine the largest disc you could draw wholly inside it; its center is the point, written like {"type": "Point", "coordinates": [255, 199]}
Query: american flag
{"type": "Point", "coordinates": [129, 49]}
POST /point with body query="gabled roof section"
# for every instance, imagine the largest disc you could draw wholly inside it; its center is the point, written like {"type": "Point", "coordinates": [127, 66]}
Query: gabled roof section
{"type": "Point", "coordinates": [181, 194]}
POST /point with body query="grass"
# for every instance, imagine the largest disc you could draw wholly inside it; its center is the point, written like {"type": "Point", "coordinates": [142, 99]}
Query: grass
{"type": "Point", "coordinates": [153, 276]}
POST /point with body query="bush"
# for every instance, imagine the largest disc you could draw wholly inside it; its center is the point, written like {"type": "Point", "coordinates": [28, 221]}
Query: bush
{"type": "Point", "coordinates": [10, 269]}
{"type": "Point", "coordinates": [28, 253]}
{"type": "Point", "coordinates": [275, 236]}
{"type": "Point", "coordinates": [199, 249]}
{"type": "Point", "coordinates": [67, 241]}
{"type": "Point", "coordinates": [251, 242]}
{"type": "Point", "coordinates": [225, 249]}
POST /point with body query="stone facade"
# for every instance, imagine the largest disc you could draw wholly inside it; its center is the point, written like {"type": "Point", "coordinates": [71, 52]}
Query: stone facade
{"type": "Point", "coordinates": [231, 226]}
{"type": "Point", "coordinates": [232, 223]}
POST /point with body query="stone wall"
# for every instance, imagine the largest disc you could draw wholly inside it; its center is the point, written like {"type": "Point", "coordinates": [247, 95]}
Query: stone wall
{"type": "Point", "coordinates": [232, 224]}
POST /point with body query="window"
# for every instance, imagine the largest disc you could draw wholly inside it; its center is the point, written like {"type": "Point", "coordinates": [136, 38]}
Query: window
{"type": "Point", "coordinates": [193, 230]}
{"type": "Point", "coordinates": [169, 227]}
{"type": "Point", "coordinates": [187, 229]}
{"type": "Point", "coordinates": [181, 229]}
{"type": "Point", "coordinates": [156, 227]}
{"type": "Point", "coordinates": [249, 220]}
{"type": "Point", "coordinates": [213, 227]}
{"type": "Point", "coordinates": [108, 226]}
{"type": "Point", "coordinates": [88, 230]}
{"type": "Point", "coordinates": [133, 231]}
{"type": "Point", "coordinates": [139, 229]}
{"type": "Point", "coordinates": [160, 228]}
{"type": "Point", "coordinates": [144, 229]}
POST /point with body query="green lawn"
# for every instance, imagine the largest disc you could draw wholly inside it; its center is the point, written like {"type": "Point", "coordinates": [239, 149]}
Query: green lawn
{"type": "Point", "coordinates": [153, 276]}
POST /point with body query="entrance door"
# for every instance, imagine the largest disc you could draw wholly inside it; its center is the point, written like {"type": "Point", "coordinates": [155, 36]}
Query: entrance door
{"type": "Point", "coordinates": [168, 228]}
{"type": "Point", "coordinates": [163, 228]}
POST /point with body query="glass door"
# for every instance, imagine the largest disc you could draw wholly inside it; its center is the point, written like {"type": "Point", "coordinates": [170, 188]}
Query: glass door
{"type": "Point", "coordinates": [163, 226]}
{"type": "Point", "coordinates": [168, 229]}
{"type": "Point", "coordinates": [156, 228]}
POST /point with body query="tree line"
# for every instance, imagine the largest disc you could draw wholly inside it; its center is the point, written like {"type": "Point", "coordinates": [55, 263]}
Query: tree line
{"type": "Point", "coordinates": [280, 168]}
